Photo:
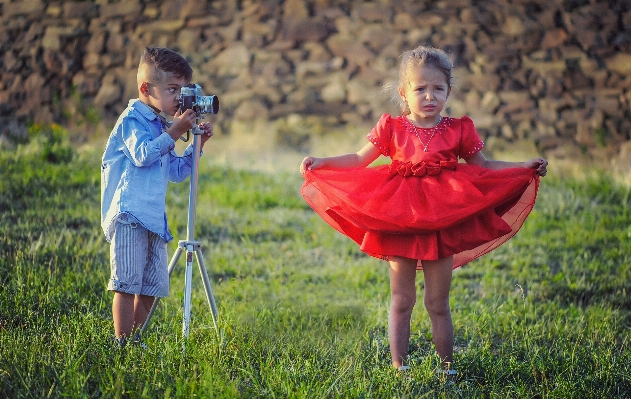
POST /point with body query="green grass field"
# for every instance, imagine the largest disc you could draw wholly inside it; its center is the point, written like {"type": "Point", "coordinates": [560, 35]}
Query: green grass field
{"type": "Point", "coordinates": [302, 312]}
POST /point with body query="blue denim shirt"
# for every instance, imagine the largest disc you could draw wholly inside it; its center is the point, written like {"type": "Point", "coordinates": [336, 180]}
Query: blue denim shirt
{"type": "Point", "coordinates": [138, 162]}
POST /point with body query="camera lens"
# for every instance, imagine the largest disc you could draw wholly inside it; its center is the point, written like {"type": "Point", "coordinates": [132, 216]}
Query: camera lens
{"type": "Point", "coordinates": [207, 104]}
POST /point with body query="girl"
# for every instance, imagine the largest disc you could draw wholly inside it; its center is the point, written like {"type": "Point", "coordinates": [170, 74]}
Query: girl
{"type": "Point", "coordinates": [425, 210]}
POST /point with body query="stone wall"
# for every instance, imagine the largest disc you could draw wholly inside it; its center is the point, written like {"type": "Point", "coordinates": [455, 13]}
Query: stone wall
{"type": "Point", "coordinates": [551, 73]}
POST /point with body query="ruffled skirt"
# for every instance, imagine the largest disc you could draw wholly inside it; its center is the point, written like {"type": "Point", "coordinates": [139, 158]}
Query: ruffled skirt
{"type": "Point", "coordinates": [465, 213]}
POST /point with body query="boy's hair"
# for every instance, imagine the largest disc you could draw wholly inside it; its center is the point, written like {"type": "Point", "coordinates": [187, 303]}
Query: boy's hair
{"type": "Point", "coordinates": [155, 61]}
{"type": "Point", "coordinates": [420, 56]}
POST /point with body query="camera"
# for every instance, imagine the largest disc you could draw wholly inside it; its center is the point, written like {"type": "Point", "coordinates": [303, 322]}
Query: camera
{"type": "Point", "coordinates": [191, 98]}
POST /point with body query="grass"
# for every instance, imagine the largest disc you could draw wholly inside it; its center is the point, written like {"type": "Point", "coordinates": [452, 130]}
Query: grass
{"type": "Point", "coordinates": [302, 312]}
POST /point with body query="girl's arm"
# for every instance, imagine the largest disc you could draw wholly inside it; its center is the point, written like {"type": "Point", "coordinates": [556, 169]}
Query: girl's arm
{"type": "Point", "coordinates": [360, 159]}
{"type": "Point", "coordinates": [536, 163]}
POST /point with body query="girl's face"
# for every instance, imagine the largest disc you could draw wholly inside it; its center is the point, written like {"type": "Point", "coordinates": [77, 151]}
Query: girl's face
{"type": "Point", "coordinates": [426, 95]}
{"type": "Point", "coordinates": [163, 96]}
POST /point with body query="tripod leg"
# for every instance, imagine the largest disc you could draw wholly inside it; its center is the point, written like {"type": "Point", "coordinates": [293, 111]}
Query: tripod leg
{"type": "Point", "coordinates": [209, 291]}
{"type": "Point", "coordinates": [174, 259]}
{"type": "Point", "coordinates": [188, 279]}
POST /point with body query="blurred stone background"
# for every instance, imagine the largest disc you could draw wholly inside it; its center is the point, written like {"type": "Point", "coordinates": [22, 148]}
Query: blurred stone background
{"type": "Point", "coordinates": [538, 77]}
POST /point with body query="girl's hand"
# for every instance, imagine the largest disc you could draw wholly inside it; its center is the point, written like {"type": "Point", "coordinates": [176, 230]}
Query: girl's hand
{"type": "Point", "coordinates": [308, 163]}
{"type": "Point", "coordinates": [359, 159]}
{"type": "Point", "coordinates": [207, 128]}
{"type": "Point", "coordinates": [540, 164]}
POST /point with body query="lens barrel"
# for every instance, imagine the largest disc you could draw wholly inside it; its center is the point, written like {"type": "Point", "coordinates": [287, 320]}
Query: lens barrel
{"type": "Point", "coordinates": [207, 105]}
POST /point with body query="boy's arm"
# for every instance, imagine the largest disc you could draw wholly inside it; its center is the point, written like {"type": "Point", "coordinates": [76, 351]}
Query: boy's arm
{"type": "Point", "coordinates": [141, 145]}
{"type": "Point", "coordinates": [181, 166]}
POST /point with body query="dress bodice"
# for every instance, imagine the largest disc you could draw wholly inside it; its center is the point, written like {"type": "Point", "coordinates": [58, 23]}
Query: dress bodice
{"type": "Point", "coordinates": [452, 138]}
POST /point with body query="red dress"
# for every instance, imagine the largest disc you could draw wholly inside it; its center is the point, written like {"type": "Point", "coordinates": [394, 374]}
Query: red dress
{"type": "Point", "coordinates": [425, 205]}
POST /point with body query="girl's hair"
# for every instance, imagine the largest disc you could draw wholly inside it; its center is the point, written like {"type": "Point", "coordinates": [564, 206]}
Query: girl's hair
{"type": "Point", "coordinates": [155, 61]}
{"type": "Point", "coordinates": [420, 56]}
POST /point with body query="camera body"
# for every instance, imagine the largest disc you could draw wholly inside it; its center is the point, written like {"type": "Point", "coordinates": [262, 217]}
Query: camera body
{"type": "Point", "coordinates": [191, 98]}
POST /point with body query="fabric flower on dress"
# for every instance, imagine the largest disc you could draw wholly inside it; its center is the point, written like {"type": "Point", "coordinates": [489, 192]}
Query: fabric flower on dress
{"type": "Point", "coordinates": [422, 168]}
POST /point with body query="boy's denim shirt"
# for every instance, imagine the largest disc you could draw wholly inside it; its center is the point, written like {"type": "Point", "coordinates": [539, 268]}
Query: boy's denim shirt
{"type": "Point", "coordinates": [138, 162]}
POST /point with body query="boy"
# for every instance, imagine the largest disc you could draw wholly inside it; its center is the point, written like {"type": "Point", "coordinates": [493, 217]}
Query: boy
{"type": "Point", "coordinates": [138, 162]}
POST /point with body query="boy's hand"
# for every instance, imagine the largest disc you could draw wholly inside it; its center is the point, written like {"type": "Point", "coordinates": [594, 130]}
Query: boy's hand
{"type": "Point", "coordinates": [207, 128]}
{"type": "Point", "coordinates": [181, 123]}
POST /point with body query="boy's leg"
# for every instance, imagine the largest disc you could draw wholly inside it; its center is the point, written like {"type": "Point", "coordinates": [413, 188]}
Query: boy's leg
{"type": "Point", "coordinates": [437, 285]}
{"type": "Point", "coordinates": [128, 257]}
{"type": "Point", "coordinates": [402, 300]}
{"type": "Point", "coordinates": [122, 309]}
{"type": "Point", "coordinates": [155, 279]}
{"type": "Point", "coordinates": [125, 305]}
{"type": "Point", "coordinates": [142, 306]}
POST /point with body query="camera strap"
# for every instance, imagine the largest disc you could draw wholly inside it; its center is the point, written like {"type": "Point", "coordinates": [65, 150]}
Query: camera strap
{"type": "Point", "coordinates": [165, 123]}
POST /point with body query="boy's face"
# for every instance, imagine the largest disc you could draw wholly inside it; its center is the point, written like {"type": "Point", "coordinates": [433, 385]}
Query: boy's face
{"type": "Point", "coordinates": [164, 95]}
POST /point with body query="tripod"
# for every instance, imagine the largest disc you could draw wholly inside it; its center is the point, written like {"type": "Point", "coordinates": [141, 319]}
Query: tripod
{"type": "Point", "coordinates": [190, 246]}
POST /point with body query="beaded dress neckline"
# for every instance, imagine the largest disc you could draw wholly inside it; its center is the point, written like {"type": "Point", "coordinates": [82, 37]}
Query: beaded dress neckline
{"type": "Point", "coordinates": [427, 132]}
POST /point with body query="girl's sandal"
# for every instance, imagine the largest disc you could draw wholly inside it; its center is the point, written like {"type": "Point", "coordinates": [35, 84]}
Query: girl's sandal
{"type": "Point", "coordinates": [404, 372]}
{"type": "Point", "coordinates": [448, 375]}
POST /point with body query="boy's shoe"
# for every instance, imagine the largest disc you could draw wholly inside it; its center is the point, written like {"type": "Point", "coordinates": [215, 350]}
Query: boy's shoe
{"type": "Point", "coordinates": [137, 341]}
{"type": "Point", "coordinates": [120, 342]}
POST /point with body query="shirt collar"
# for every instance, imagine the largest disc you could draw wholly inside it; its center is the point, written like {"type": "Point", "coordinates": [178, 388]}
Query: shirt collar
{"type": "Point", "coordinates": [149, 112]}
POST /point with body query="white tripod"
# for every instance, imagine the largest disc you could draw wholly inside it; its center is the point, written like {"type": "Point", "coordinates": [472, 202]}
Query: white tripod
{"type": "Point", "coordinates": [190, 246]}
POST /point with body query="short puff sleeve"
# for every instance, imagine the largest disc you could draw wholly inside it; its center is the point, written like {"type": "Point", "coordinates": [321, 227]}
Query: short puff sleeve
{"type": "Point", "coordinates": [381, 134]}
{"type": "Point", "coordinates": [470, 142]}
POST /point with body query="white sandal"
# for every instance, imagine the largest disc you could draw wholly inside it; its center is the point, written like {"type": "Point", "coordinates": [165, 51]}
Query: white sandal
{"type": "Point", "coordinates": [448, 376]}
{"type": "Point", "coordinates": [403, 368]}
{"type": "Point", "coordinates": [447, 373]}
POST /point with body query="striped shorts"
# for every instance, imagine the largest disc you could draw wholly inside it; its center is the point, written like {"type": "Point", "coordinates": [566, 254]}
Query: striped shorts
{"type": "Point", "coordinates": [138, 261]}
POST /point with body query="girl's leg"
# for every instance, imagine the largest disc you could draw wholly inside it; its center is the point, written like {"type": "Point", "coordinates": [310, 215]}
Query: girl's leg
{"type": "Point", "coordinates": [402, 300]}
{"type": "Point", "coordinates": [437, 284]}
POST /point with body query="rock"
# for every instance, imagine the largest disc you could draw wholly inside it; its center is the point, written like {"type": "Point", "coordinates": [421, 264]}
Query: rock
{"type": "Point", "coordinates": [619, 63]}
{"type": "Point", "coordinates": [79, 9]}
{"type": "Point", "coordinates": [26, 7]}
{"type": "Point", "coordinates": [348, 49]}
{"type": "Point", "coordinates": [372, 12]}
{"type": "Point", "coordinates": [303, 30]}
{"type": "Point", "coordinates": [119, 9]}
{"type": "Point", "coordinates": [335, 90]}
{"type": "Point", "coordinates": [553, 38]}
{"type": "Point", "coordinates": [230, 61]}
{"type": "Point", "coordinates": [109, 93]}
{"type": "Point", "coordinates": [295, 9]}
